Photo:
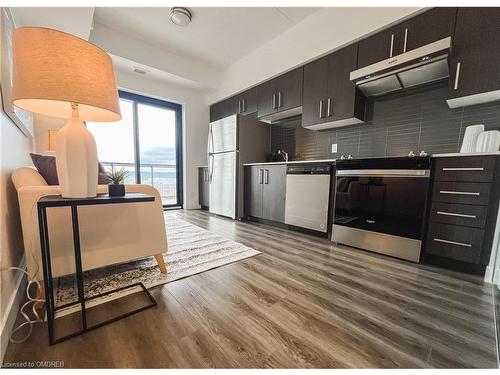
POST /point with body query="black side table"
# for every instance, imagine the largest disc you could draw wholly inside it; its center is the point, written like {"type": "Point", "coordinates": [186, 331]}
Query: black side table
{"type": "Point", "coordinates": [58, 201]}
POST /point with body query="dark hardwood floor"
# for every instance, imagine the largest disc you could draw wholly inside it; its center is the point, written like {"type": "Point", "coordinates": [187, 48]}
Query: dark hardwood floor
{"type": "Point", "coordinates": [302, 303]}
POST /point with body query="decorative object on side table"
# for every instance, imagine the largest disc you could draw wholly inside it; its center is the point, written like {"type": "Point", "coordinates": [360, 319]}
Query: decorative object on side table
{"type": "Point", "coordinates": [472, 132]}
{"type": "Point", "coordinates": [116, 177]}
{"type": "Point", "coordinates": [61, 75]}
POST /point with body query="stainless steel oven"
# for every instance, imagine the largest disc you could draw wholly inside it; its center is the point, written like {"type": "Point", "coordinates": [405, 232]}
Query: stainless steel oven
{"type": "Point", "coordinates": [380, 205]}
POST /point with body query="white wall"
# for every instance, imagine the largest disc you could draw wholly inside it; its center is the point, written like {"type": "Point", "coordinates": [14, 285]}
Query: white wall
{"type": "Point", "coordinates": [318, 34]}
{"type": "Point", "coordinates": [195, 123]}
{"type": "Point", "coordinates": [15, 149]}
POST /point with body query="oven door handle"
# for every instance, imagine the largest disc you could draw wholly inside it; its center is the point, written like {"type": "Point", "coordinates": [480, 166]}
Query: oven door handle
{"type": "Point", "coordinates": [384, 172]}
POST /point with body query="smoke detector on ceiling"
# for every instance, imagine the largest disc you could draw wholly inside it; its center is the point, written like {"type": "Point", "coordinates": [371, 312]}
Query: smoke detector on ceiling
{"type": "Point", "coordinates": [180, 16]}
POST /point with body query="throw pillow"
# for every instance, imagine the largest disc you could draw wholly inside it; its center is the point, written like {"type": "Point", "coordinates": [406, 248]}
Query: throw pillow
{"type": "Point", "coordinates": [46, 166]}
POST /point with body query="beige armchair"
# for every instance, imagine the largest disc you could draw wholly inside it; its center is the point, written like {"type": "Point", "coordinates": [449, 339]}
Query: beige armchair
{"type": "Point", "coordinates": [109, 234]}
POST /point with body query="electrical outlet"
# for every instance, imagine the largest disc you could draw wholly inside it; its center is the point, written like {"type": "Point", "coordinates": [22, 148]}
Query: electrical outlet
{"type": "Point", "coordinates": [334, 148]}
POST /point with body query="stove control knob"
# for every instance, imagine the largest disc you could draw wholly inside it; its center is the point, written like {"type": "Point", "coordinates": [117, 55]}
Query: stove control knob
{"type": "Point", "coordinates": [411, 154]}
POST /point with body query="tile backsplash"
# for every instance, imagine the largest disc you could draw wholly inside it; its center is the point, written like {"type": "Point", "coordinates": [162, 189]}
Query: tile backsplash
{"type": "Point", "coordinates": [412, 120]}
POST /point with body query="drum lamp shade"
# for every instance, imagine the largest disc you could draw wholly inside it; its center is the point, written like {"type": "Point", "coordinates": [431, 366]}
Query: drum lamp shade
{"type": "Point", "coordinates": [53, 69]}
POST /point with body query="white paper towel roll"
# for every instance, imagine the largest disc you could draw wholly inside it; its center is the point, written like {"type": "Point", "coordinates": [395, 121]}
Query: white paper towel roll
{"type": "Point", "coordinates": [488, 141]}
{"type": "Point", "coordinates": [470, 138]}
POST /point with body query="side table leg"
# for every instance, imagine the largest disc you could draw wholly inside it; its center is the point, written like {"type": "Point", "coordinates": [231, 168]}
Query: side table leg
{"type": "Point", "coordinates": [78, 263]}
{"type": "Point", "coordinates": [47, 270]}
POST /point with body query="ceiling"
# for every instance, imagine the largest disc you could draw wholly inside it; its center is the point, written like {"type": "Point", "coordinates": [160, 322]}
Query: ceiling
{"type": "Point", "coordinates": [217, 37]}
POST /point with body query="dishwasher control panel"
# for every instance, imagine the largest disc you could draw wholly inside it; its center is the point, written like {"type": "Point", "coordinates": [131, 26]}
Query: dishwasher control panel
{"type": "Point", "coordinates": [309, 169]}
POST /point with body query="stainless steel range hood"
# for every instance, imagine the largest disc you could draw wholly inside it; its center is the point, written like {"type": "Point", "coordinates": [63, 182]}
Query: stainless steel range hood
{"type": "Point", "coordinates": [422, 65]}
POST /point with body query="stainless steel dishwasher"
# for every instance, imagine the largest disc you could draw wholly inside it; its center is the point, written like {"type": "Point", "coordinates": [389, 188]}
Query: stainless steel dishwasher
{"type": "Point", "coordinates": [307, 196]}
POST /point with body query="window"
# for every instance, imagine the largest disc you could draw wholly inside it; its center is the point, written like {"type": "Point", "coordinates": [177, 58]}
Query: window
{"type": "Point", "coordinates": [147, 142]}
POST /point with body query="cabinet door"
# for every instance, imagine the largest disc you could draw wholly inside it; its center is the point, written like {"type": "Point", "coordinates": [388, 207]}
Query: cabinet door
{"type": "Point", "coordinates": [274, 193]}
{"type": "Point", "coordinates": [247, 101]}
{"type": "Point", "coordinates": [267, 98]}
{"type": "Point", "coordinates": [475, 59]}
{"type": "Point", "coordinates": [254, 179]}
{"type": "Point", "coordinates": [223, 109]}
{"type": "Point", "coordinates": [204, 187]}
{"type": "Point", "coordinates": [379, 46]}
{"type": "Point", "coordinates": [428, 27]}
{"type": "Point", "coordinates": [289, 89]}
{"type": "Point", "coordinates": [315, 92]}
{"type": "Point", "coordinates": [341, 92]}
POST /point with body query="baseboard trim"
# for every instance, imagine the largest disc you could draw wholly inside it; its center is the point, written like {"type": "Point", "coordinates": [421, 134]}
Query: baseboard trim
{"type": "Point", "coordinates": [12, 309]}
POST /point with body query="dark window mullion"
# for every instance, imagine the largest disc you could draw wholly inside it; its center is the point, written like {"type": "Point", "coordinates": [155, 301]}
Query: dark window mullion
{"type": "Point", "coordinates": [137, 151]}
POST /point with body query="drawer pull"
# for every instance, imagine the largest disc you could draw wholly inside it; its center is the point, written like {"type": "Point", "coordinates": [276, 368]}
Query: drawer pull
{"type": "Point", "coordinates": [453, 242]}
{"type": "Point", "coordinates": [455, 214]}
{"type": "Point", "coordinates": [464, 169]}
{"type": "Point", "coordinates": [459, 192]}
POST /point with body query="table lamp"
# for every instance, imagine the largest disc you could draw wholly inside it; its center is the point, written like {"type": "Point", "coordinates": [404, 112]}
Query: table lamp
{"type": "Point", "coordinates": [60, 75]}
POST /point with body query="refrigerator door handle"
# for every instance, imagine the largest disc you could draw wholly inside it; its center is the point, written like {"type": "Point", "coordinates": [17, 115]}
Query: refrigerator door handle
{"type": "Point", "coordinates": [210, 167]}
{"type": "Point", "coordinates": [210, 140]}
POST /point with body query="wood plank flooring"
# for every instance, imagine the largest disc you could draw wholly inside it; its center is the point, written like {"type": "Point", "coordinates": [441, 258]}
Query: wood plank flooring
{"type": "Point", "coordinates": [302, 303]}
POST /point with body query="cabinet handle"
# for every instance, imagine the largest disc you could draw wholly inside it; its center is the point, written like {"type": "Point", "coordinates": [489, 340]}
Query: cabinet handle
{"type": "Point", "coordinates": [463, 169]}
{"type": "Point", "coordinates": [261, 176]}
{"type": "Point", "coordinates": [266, 176]}
{"type": "Point", "coordinates": [453, 242]}
{"type": "Point", "coordinates": [243, 106]}
{"type": "Point", "coordinates": [458, 192]}
{"type": "Point", "coordinates": [280, 104]}
{"type": "Point", "coordinates": [455, 214]}
{"type": "Point", "coordinates": [392, 45]}
{"type": "Point", "coordinates": [457, 75]}
{"type": "Point", "coordinates": [329, 108]}
{"type": "Point", "coordinates": [239, 106]}
{"type": "Point", "coordinates": [406, 38]}
{"type": "Point", "coordinates": [321, 109]}
{"type": "Point", "coordinates": [274, 101]}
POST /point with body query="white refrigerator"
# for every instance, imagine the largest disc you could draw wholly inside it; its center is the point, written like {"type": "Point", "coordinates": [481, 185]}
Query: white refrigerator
{"type": "Point", "coordinates": [232, 142]}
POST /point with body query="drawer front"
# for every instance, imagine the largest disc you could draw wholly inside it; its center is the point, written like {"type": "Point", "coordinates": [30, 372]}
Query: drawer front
{"type": "Point", "coordinates": [458, 214]}
{"type": "Point", "coordinates": [465, 168]}
{"type": "Point", "coordinates": [461, 192]}
{"type": "Point", "coordinates": [455, 242]}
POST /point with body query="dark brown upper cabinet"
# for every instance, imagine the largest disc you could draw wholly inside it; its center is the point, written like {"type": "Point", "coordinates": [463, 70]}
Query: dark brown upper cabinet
{"type": "Point", "coordinates": [247, 101]}
{"type": "Point", "coordinates": [428, 27]}
{"type": "Point", "coordinates": [330, 98]}
{"type": "Point", "coordinates": [315, 92]}
{"type": "Point", "coordinates": [425, 28]}
{"type": "Point", "coordinates": [475, 58]}
{"type": "Point", "coordinates": [243, 103]}
{"type": "Point", "coordinates": [280, 94]}
{"type": "Point", "coordinates": [379, 46]}
{"type": "Point", "coordinates": [224, 108]}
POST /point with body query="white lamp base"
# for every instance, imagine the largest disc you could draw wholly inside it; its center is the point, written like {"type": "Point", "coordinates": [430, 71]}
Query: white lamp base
{"type": "Point", "coordinates": [76, 160]}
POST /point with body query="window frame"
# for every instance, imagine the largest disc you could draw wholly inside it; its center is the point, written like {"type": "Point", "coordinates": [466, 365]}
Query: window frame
{"type": "Point", "coordinates": [141, 99]}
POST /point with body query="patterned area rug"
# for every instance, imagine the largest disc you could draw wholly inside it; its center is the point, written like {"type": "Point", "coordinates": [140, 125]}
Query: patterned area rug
{"type": "Point", "coordinates": [191, 250]}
